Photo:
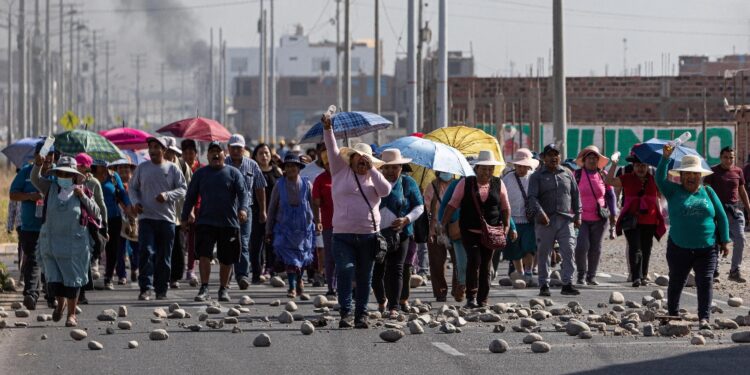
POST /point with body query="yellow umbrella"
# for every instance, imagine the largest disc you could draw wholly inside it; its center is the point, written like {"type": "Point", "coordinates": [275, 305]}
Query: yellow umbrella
{"type": "Point", "coordinates": [469, 141]}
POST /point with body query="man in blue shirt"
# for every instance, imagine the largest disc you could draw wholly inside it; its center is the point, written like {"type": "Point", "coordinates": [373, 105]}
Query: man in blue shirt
{"type": "Point", "coordinates": [32, 202]}
{"type": "Point", "coordinates": [254, 183]}
{"type": "Point", "coordinates": [224, 206]}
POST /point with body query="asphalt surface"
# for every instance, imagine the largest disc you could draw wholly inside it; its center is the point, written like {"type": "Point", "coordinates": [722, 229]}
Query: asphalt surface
{"type": "Point", "coordinates": [22, 351]}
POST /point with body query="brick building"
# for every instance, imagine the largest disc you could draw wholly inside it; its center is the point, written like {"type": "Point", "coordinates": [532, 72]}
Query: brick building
{"type": "Point", "coordinates": [702, 65]}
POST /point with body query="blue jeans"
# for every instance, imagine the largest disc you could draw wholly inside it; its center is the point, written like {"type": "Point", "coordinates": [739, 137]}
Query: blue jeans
{"type": "Point", "coordinates": [155, 238]}
{"type": "Point", "coordinates": [242, 268]}
{"type": "Point", "coordinates": [354, 258]}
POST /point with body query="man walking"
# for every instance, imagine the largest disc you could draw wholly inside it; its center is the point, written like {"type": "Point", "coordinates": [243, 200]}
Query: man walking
{"type": "Point", "coordinates": [32, 201]}
{"type": "Point", "coordinates": [555, 201]}
{"type": "Point", "coordinates": [225, 206]}
{"type": "Point", "coordinates": [728, 181]}
{"type": "Point", "coordinates": [254, 183]}
{"type": "Point", "coordinates": [154, 189]}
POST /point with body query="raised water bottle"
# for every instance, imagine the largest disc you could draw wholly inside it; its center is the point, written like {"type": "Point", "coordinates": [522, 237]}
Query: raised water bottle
{"type": "Point", "coordinates": [680, 140]}
{"type": "Point", "coordinates": [615, 157]}
{"type": "Point", "coordinates": [39, 209]}
{"type": "Point", "coordinates": [47, 146]}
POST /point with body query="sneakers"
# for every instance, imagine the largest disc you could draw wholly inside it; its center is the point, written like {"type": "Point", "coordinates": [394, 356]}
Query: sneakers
{"type": "Point", "coordinates": [174, 285]}
{"type": "Point", "coordinates": [569, 290]}
{"type": "Point", "coordinates": [161, 296]}
{"type": "Point", "coordinates": [736, 277]}
{"type": "Point", "coordinates": [108, 285]}
{"type": "Point", "coordinates": [360, 322]}
{"type": "Point", "coordinates": [145, 295]}
{"type": "Point", "coordinates": [331, 293]}
{"type": "Point", "coordinates": [122, 281]}
{"type": "Point", "coordinates": [133, 275]}
{"type": "Point", "coordinates": [591, 281]}
{"type": "Point", "coordinates": [636, 283]}
{"type": "Point", "coordinates": [243, 283]}
{"type": "Point", "coordinates": [202, 294]}
{"type": "Point", "coordinates": [29, 302]}
{"type": "Point", "coordinates": [544, 291]}
{"type": "Point", "coordinates": [704, 324]}
{"type": "Point", "coordinates": [471, 303]}
{"type": "Point", "coordinates": [345, 322]}
{"type": "Point", "coordinates": [223, 294]}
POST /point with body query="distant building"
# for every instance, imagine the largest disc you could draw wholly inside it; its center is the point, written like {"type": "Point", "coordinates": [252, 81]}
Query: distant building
{"type": "Point", "coordinates": [703, 66]}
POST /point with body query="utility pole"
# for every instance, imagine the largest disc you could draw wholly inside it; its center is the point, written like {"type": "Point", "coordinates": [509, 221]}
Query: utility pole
{"type": "Point", "coordinates": [161, 99]}
{"type": "Point", "coordinates": [339, 93]}
{"type": "Point", "coordinates": [411, 68]}
{"type": "Point", "coordinates": [138, 66]}
{"type": "Point", "coordinates": [9, 111]}
{"type": "Point", "coordinates": [210, 113]}
{"type": "Point", "coordinates": [559, 110]}
{"type": "Point", "coordinates": [61, 75]}
{"type": "Point", "coordinates": [272, 92]}
{"type": "Point", "coordinates": [262, 74]}
{"type": "Point", "coordinates": [347, 91]}
{"type": "Point", "coordinates": [35, 76]}
{"type": "Point", "coordinates": [377, 57]}
{"type": "Point", "coordinates": [47, 108]}
{"type": "Point", "coordinates": [442, 70]}
{"type": "Point", "coordinates": [106, 82]}
{"type": "Point", "coordinates": [223, 80]}
{"type": "Point", "coordinates": [95, 86]}
{"type": "Point", "coordinates": [22, 67]}
{"type": "Point", "coordinates": [420, 66]}
{"type": "Point", "coordinates": [71, 84]}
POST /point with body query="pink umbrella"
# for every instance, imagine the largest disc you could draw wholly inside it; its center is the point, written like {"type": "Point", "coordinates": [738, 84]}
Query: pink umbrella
{"type": "Point", "coordinates": [127, 138]}
{"type": "Point", "coordinates": [197, 128]}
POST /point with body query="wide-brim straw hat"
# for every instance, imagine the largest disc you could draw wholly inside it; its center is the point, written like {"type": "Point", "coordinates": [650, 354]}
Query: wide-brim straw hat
{"type": "Point", "coordinates": [691, 163]}
{"type": "Point", "coordinates": [392, 156]}
{"type": "Point", "coordinates": [362, 149]}
{"type": "Point", "coordinates": [603, 160]}
{"type": "Point", "coordinates": [523, 156]}
{"type": "Point", "coordinates": [486, 158]}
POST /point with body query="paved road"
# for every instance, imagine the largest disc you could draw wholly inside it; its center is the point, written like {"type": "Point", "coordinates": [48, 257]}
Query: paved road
{"type": "Point", "coordinates": [350, 351]}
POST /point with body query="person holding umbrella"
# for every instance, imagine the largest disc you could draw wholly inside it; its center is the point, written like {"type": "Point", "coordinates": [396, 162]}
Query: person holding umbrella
{"type": "Point", "coordinates": [358, 187]}
{"type": "Point", "coordinates": [154, 189]}
{"type": "Point", "coordinates": [397, 213]}
{"type": "Point", "coordinates": [697, 218]}
{"type": "Point", "coordinates": [221, 190]}
{"type": "Point", "coordinates": [64, 242]}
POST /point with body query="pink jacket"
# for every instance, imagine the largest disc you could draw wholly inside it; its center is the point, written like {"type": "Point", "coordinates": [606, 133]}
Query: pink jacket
{"type": "Point", "coordinates": [350, 211]}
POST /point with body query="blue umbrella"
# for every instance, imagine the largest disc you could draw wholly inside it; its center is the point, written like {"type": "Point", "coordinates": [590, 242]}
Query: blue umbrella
{"type": "Point", "coordinates": [432, 155]}
{"type": "Point", "coordinates": [22, 151]}
{"type": "Point", "coordinates": [650, 152]}
{"type": "Point", "coordinates": [346, 125]}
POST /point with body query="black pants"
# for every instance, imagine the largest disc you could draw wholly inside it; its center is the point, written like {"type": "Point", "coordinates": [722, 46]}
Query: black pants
{"type": "Point", "coordinates": [31, 265]}
{"type": "Point", "coordinates": [478, 263]}
{"type": "Point", "coordinates": [257, 245]}
{"type": "Point", "coordinates": [178, 255]}
{"type": "Point", "coordinates": [60, 290]}
{"type": "Point", "coordinates": [114, 225]}
{"type": "Point", "coordinates": [640, 240]}
{"type": "Point", "coordinates": [681, 261]}
{"type": "Point", "coordinates": [388, 277]}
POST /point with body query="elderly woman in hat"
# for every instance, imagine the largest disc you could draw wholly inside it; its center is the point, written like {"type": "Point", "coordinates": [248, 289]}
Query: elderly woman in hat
{"type": "Point", "coordinates": [290, 225]}
{"type": "Point", "coordinates": [599, 207]}
{"type": "Point", "coordinates": [490, 195]}
{"type": "Point", "coordinates": [84, 165]}
{"type": "Point", "coordinates": [357, 186]}
{"type": "Point", "coordinates": [64, 242]}
{"type": "Point", "coordinates": [640, 218]}
{"type": "Point", "coordinates": [397, 213]}
{"type": "Point", "coordinates": [521, 251]}
{"type": "Point", "coordinates": [697, 218]}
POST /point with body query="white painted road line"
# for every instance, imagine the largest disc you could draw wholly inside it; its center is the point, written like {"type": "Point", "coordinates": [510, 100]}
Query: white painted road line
{"type": "Point", "coordinates": [447, 349]}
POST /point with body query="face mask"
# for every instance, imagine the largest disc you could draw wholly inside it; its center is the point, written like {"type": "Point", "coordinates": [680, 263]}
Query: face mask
{"type": "Point", "coordinates": [65, 183]}
{"type": "Point", "coordinates": [446, 177]}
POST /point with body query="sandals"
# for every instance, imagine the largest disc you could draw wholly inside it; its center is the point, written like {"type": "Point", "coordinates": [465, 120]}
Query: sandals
{"type": "Point", "coordinates": [57, 313]}
{"type": "Point", "coordinates": [72, 321]}
{"type": "Point", "coordinates": [393, 314]}
{"type": "Point", "coordinates": [291, 294]}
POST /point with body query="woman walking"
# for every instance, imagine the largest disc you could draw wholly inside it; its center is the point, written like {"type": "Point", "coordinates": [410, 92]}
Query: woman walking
{"type": "Point", "coordinates": [599, 207]}
{"type": "Point", "coordinates": [64, 241]}
{"type": "Point", "coordinates": [290, 224]}
{"type": "Point", "coordinates": [640, 218]}
{"type": "Point", "coordinates": [487, 194]}
{"type": "Point", "coordinates": [128, 249]}
{"type": "Point", "coordinates": [397, 213]}
{"type": "Point", "coordinates": [98, 234]}
{"type": "Point", "coordinates": [697, 218]}
{"type": "Point", "coordinates": [259, 249]}
{"type": "Point", "coordinates": [521, 251]}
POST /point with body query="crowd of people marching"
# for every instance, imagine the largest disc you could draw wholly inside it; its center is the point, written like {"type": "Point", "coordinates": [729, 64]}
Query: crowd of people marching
{"type": "Point", "coordinates": [354, 221]}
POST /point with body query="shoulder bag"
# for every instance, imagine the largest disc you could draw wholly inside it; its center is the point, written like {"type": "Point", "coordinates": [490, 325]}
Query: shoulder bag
{"type": "Point", "coordinates": [603, 212]}
{"type": "Point", "coordinates": [493, 237]}
{"type": "Point", "coordinates": [381, 244]}
{"type": "Point", "coordinates": [528, 211]}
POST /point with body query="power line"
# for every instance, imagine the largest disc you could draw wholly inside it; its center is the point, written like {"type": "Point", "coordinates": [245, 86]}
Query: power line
{"type": "Point", "coordinates": [171, 8]}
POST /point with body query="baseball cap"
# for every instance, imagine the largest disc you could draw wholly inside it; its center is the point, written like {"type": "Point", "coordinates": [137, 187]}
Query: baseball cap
{"type": "Point", "coordinates": [236, 140]}
{"type": "Point", "coordinates": [214, 144]}
{"type": "Point", "coordinates": [160, 140]}
{"type": "Point", "coordinates": [550, 147]}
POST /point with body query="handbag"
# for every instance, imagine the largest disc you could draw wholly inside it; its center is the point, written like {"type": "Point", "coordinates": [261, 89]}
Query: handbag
{"type": "Point", "coordinates": [493, 237]}
{"type": "Point", "coordinates": [381, 244]}
{"type": "Point", "coordinates": [603, 212]}
{"type": "Point", "coordinates": [529, 212]}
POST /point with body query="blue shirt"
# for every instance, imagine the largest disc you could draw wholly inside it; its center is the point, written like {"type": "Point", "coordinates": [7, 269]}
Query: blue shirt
{"type": "Point", "coordinates": [114, 192]}
{"type": "Point", "coordinates": [253, 177]}
{"type": "Point", "coordinates": [22, 184]}
{"type": "Point", "coordinates": [404, 197]}
{"type": "Point", "coordinates": [222, 193]}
